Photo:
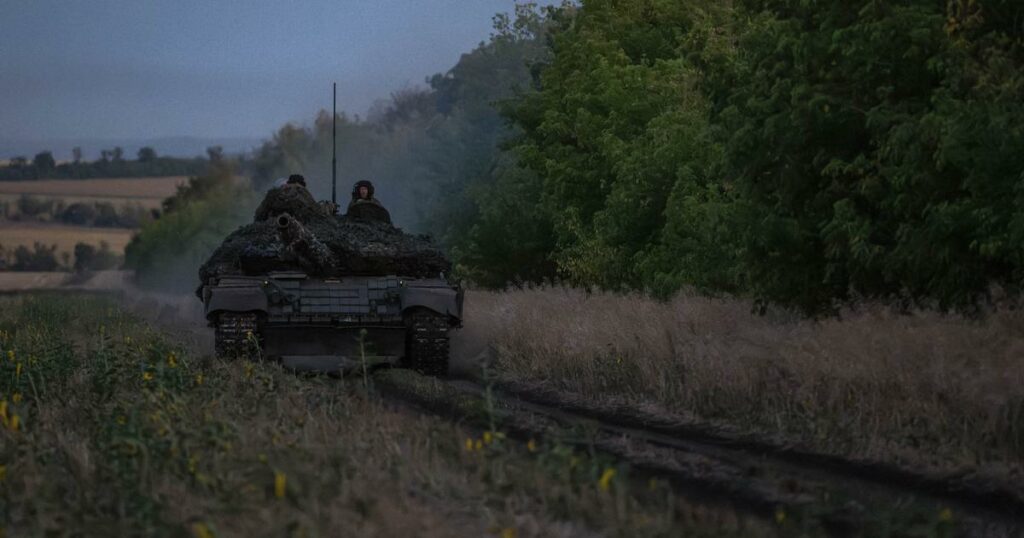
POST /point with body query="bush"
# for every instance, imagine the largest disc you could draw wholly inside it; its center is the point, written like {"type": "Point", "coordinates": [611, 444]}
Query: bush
{"type": "Point", "coordinates": [39, 258]}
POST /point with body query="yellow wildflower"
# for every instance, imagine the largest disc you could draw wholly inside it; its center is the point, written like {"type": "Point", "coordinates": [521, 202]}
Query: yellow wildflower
{"type": "Point", "coordinates": [15, 423]}
{"type": "Point", "coordinates": [172, 361]}
{"type": "Point", "coordinates": [508, 532]}
{"type": "Point", "coordinates": [605, 481]}
{"type": "Point", "coordinates": [128, 340]}
{"type": "Point", "coordinates": [280, 481]}
{"type": "Point", "coordinates": [147, 376]}
{"type": "Point", "coordinates": [262, 457]}
{"type": "Point", "coordinates": [17, 370]}
{"type": "Point", "coordinates": [122, 420]}
{"type": "Point", "coordinates": [16, 397]}
{"type": "Point", "coordinates": [10, 355]}
{"type": "Point", "coordinates": [531, 445]}
{"type": "Point", "coordinates": [478, 445]}
{"type": "Point", "coordinates": [199, 379]}
{"type": "Point", "coordinates": [469, 445]}
{"type": "Point", "coordinates": [652, 484]}
{"type": "Point", "coordinates": [574, 461]}
{"type": "Point", "coordinates": [200, 530]}
{"type": "Point", "coordinates": [488, 438]}
{"type": "Point", "coordinates": [780, 516]}
{"type": "Point", "coordinates": [946, 515]}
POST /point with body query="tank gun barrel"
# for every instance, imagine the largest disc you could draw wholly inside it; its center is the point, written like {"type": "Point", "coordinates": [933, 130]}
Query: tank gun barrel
{"type": "Point", "coordinates": [303, 244]}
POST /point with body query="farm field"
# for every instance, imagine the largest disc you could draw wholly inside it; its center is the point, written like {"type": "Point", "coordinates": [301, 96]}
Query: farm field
{"type": "Point", "coordinates": [143, 187]}
{"type": "Point", "coordinates": [13, 235]}
{"type": "Point", "coordinates": [147, 192]}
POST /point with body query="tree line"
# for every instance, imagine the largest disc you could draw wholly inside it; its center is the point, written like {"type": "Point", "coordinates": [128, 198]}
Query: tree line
{"type": "Point", "coordinates": [111, 164]}
{"type": "Point", "coordinates": [800, 155]}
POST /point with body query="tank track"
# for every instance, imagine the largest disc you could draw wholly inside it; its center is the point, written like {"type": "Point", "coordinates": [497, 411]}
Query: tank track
{"type": "Point", "coordinates": [427, 342]}
{"type": "Point", "coordinates": [232, 335]}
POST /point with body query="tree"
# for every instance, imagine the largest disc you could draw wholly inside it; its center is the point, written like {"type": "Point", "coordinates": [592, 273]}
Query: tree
{"type": "Point", "coordinates": [76, 154]}
{"type": "Point", "coordinates": [215, 154]}
{"type": "Point", "coordinates": [147, 154]}
{"type": "Point", "coordinates": [117, 155]}
{"type": "Point", "coordinates": [44, 163]}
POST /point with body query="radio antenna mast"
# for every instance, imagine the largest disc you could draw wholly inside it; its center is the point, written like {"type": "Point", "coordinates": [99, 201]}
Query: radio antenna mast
{"type": "Point", "coordinates": [334, 148]}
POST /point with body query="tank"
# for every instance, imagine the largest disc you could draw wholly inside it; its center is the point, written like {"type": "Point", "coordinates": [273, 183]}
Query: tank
{"type": "Point", "coordinates": [322, 292]}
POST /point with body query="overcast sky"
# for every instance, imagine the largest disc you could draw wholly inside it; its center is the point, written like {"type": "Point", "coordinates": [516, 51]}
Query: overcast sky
{"type": "Point", "coordinates": [216, 68]}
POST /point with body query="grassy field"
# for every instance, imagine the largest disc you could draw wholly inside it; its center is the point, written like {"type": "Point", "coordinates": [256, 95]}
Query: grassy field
{"type": "Point", "coordinates": [111, 428]}
{"type": "Point", "coordinates": [928, 391]}
{"type": "Point", "coordinates": [65, 237]}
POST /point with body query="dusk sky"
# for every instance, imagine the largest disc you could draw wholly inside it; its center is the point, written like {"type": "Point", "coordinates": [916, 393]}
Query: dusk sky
{"type": "Point", "coordinates": [144, 69]}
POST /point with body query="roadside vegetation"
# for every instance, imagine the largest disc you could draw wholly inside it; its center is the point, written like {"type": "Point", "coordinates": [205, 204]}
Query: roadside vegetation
{"type": "Point", "coordinates": [110, 427]}
{"type": "Point", "coordinates": [931, 392]}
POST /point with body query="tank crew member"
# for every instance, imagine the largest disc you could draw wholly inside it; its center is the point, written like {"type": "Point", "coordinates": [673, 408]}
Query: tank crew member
{"type": "Point", "coordinates": [296, 179]}
{"type": "Point", "coordinates": [364, 206]}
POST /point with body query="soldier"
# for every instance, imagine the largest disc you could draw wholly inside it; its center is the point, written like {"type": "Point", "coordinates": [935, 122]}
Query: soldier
{"type": "Point", "coordinates": [364, 205]}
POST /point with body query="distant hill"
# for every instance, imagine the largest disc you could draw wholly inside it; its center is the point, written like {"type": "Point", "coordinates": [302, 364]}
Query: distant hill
{"type": "Point", "coordinates": [169, 146]}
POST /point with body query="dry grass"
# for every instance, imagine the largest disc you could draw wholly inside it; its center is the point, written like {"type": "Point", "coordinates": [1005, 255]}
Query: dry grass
{"type": "Point", "coordinates": [13, 235]}
{"type": "Point", "coordinates": [120, 188]}
{"type": "Point", "coordinates": [926, 390]}
{"type": "Point", "coordinates": [124, 431]}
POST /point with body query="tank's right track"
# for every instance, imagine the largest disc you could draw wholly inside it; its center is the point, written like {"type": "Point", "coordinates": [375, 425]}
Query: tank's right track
{"type": "Point", "coordinates": [427, 342]}
{"type": "Point", "coordinates": [236, 335]}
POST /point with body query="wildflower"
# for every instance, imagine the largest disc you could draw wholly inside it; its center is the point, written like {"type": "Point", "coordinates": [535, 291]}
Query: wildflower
{"type": "Point", "coordinates": [15, 423]}
{"type": "Point", "coordinates": [172, 361]}
{"type": "Point", "coordinates": [262, 457]}
{"type": "Point", "coordinates": [147, 376]}
{"type": "Point", "coordinates": [248, 370]}
{"type": "Point", "coordinates": [478, 445]}
{"type": "Point", "coordinates": [469, 445]}
{"type": "Point", "coordinates": [946, 515]}
{"type": "Point", "coordinates": [280, 481]}
{"type": "Point", "coordinates": [531, 445]}
{"type": "Point", "coordinates": [780, 516]}
{"type": "Point", "coordinates": [488, 438]}
{"type": "Point", "coordinates": [199, 379]}
{"type": "Point", "coordinates": [605, 481]}
{"type": "Point", "coordinates": [573, 462]}
{"type": "Point", "coordinates": [200, 530]}
{"type": "Point", "coordinates": [10, 355]}
{"type": "Point", "coordinates": [16, 397]}
{"type": "Point", "coordinates": [652, 484]}
{"type": "Point", "coordinates": [128, 340]}
{"type": "Point", "coordinates": [508, 532]}
{"type": "Point", "coordinates": [122, 420]}
{"type": "Point", "coordinates": [17, 370]}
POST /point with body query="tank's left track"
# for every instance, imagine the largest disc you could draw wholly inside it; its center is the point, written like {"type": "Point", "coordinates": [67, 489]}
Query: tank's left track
{"type": "Point", "coordinates": [236, 335]}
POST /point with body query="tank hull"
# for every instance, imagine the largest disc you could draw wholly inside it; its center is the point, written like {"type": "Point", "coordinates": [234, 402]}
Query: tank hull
{"type": "Point", "coordinates": [334, 325]}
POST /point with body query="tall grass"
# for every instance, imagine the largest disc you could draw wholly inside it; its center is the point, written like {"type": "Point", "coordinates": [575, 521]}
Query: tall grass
{"type": "Point", "coordinates": [929, 390]}
{"type": "Point", "coordinates": [123, 430]}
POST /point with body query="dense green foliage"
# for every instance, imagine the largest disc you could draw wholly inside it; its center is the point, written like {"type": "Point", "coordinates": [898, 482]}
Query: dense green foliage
{"type": "Point", "coordinates": [800, 154]}
{"type": "Point", "coordinates": [110, 164]}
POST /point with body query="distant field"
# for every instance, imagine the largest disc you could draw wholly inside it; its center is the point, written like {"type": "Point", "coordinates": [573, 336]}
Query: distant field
{"type": "Point", "coordinates": [143, 187]}
{"type": "Point", "coordinates": [64, 237]}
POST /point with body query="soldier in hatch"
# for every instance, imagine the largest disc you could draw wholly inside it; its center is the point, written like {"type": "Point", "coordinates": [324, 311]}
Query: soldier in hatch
{"type": "Point", "coordinates": [364, 205]}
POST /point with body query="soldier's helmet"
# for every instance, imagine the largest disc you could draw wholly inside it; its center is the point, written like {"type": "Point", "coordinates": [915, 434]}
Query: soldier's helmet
{"type": "Point", "coordinates": [363, 183]}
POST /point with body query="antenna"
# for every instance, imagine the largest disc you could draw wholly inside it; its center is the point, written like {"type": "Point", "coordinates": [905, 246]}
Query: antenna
{"type": "Point", "coordinates": [334, 149]}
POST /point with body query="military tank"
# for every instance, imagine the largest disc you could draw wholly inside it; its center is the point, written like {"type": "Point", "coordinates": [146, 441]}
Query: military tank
{"type": "Point", "coordinates": [324, 292]}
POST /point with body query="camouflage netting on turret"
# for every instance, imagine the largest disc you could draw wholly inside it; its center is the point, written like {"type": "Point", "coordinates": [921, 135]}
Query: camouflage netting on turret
{"type": "Point", "coordinates": [321, 245]}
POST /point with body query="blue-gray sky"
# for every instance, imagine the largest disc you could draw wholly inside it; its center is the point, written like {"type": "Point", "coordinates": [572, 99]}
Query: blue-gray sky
{"type": "Point", "coordinates": [216, 68]}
